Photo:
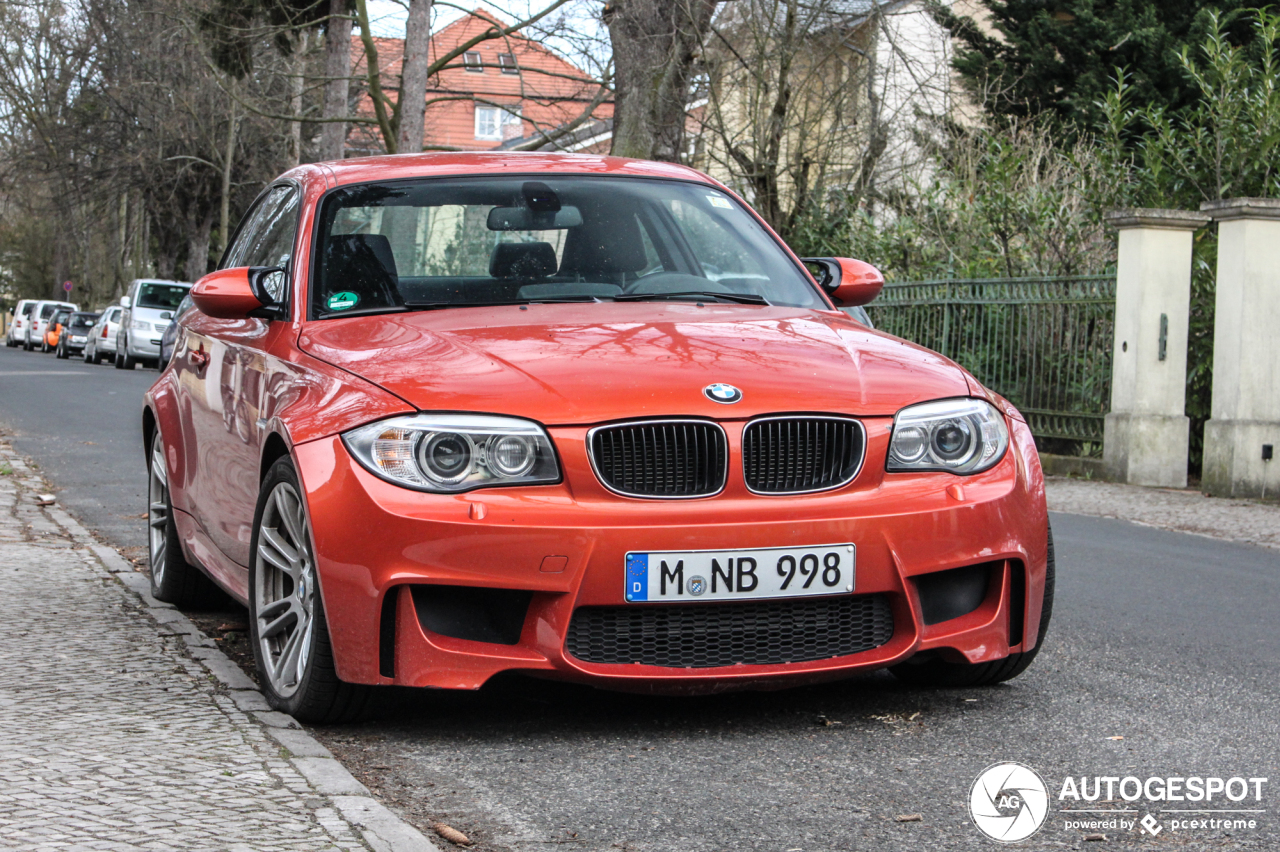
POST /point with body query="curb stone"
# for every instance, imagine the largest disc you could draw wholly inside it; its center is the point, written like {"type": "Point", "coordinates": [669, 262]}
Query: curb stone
{"type": "Point", "coordinates": [380, 828]}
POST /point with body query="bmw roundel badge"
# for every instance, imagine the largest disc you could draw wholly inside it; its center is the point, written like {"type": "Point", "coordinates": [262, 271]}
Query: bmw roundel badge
{"type": "Point", "coordinates": [726, 394]}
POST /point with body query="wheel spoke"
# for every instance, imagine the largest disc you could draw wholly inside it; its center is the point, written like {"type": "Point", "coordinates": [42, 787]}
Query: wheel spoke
{"type": "Point", "coordinates": [286, 505]}
{"type": "Point", "coordinates": [280, 546]}
{"type": "Point", "coordinates": [157, 464]}
{"type": "Point", "coordinates": [288, 659]}
{"type": "Point", "coordinates": [274, 608]}
{"type": "Point", "coordinates": [276, 550]}
{"type": "Point", "coordinates": [304, 651]}
{"type": "Point", "coordinates": [290, 616]}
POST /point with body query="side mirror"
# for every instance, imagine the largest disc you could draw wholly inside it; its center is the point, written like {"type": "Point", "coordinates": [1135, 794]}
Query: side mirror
{"type": "Point", "coordinates": [235, 293]}
{"type": "Point", "coordinates": [847, 281]}
{"type": "Point", "coordinates": [124, 301]}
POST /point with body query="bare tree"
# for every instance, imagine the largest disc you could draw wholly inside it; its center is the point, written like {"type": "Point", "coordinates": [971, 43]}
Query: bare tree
{"type": "Point", "coordinates": [414, 72]}
{"type": "Point", "coordinates": [655, 44]}
{"type": "Point", "coordinates": [337, 71]}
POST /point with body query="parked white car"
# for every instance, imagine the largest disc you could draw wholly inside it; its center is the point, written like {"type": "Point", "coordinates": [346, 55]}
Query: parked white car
{"type": "Point", "coordinates": [102, 337]}
{"type": "Point", "coordinates": [148, 309]}
{"type": "Point", "coordinates": [16, 334]}
{"type": "Point", "coordinates": [39, 324]}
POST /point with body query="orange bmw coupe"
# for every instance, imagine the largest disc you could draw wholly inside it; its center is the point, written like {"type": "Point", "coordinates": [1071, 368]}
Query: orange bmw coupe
{"type": "Point", "coordinates": [442, 416]}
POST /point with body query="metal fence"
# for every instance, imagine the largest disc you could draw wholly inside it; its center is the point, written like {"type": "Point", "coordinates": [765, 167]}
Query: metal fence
{"type": "Point", "coordinates": [1043, 343]}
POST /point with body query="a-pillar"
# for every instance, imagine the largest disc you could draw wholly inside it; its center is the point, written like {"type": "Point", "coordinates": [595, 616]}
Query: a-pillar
{"type": "Point", "coordinates": [1145, 438]}
{"type": "Point", "coordinates": [1245, 411]}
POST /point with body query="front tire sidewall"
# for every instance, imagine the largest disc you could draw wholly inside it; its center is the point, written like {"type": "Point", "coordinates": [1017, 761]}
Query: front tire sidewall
{"type": "Point", "coordinates": [296, 704]}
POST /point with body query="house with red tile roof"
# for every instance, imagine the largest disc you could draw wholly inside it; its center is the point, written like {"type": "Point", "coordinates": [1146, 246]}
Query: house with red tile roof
{"type": "Point", "coordinates": [498, 91]}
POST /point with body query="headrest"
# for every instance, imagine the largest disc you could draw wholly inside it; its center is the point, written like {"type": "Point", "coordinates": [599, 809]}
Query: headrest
{"type": "Point", "coordinates": [365, 265]}
{"type": "Point", "coordinates": [356, 246]}
{"type": "Point", "coordinates": [604, 246]}
{"type": "Point", "coordinates": [522, 260]}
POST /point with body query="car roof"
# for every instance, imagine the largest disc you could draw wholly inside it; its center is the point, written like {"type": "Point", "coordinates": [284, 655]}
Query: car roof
{"type": "Point", "coordinates": [489, 163]}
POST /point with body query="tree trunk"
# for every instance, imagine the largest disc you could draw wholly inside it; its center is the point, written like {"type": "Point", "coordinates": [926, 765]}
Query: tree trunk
{"type": "Point", "coordinates": [655, 43]}
{"type": "Point", "coordinates": [198, 246]}
{"type": "Point", "coordinates": [294, 154]}
{"type": "Point", "coordinates": [413, 77]}
{"type": "Point", "coordinates": [228, 158]}
{"type": "Point", "coordinates": [337, 70]}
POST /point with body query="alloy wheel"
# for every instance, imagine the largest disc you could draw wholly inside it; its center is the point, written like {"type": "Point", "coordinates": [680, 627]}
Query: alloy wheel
{"type": "Point", "coordinates": [284, 590]}
{"type": "Point", "coordinates": [157, 510]}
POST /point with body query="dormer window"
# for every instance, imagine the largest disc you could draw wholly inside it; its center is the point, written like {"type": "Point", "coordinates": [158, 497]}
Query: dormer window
{"type": "Point", "coordinates": [472, 62]}
{"type": "Point", "coordinates": [507, 62]}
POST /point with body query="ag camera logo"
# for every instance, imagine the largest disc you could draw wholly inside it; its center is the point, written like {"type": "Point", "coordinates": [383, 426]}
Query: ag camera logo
{"type": "Point", "coordinates": [1008, 802]}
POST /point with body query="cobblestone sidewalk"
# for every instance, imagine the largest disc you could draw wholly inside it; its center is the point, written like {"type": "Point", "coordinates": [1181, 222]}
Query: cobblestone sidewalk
{"type": "Point", "coordinates": [1186, 511]}
{"type": "Point", "coordinates": [123, 728]}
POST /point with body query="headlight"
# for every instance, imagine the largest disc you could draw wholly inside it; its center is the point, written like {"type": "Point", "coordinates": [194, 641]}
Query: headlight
{"type": "Point", "coordinates": [140, 325]}
{"type": "Point", "coordinates": [955, 435]}
{"type": "Point", "coordinates": [449, 453]}
{"type": "Point", "coordinates": [77, 338]}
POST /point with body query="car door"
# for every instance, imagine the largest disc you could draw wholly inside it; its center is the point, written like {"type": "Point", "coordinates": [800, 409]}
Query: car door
{"type": "Point", "coordinates": [221, 365]}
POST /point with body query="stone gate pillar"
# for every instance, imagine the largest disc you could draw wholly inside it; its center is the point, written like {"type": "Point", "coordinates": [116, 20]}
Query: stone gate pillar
{"type": "Point", "coordinates": [1145, 435]}
{"type": "Point", "coordinates": [1245, 412]}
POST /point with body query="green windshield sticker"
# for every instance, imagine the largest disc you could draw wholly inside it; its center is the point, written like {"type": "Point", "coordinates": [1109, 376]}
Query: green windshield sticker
{"type": "Point", "coordinates": [720, 201]}
{"type": "Point", "coordinates": [342, 301]}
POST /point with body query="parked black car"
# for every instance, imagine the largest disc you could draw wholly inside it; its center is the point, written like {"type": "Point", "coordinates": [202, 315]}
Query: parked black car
{"type": "Point", "coordinates": [75, 332]}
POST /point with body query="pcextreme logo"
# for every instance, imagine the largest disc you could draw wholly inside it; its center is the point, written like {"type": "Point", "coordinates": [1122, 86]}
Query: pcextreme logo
{"type": "Point", "coordinates": [1008, 802]}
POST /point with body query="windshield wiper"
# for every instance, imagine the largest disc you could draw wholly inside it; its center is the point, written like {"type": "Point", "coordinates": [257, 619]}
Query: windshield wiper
{"type": "Point", "coordinates": [433, 306]}
{"type": "Point", "coordinates": [364, 312]}
{"type": "Point", "coordinates": [740, 298]}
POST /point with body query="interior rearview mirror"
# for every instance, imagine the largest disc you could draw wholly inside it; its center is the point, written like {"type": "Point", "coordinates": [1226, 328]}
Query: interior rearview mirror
{"type": "Point", "coordinates": [527, 219]}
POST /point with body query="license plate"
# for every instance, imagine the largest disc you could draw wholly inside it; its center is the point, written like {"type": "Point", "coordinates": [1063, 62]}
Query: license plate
{"type": "Point", "coordinates": [770, 572]}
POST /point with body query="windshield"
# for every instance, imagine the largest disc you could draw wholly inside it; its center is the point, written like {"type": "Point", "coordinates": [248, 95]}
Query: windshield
{"type": "Point", "coordinates": [79, 322]}
{"type": "Point", "coordinates": [438, 243]}
{"type": "Point", "coordinates": [163, 296]}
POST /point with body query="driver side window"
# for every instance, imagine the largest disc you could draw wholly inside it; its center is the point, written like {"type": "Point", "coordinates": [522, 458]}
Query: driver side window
{"type": "Point", "coordinates": [268, 237]}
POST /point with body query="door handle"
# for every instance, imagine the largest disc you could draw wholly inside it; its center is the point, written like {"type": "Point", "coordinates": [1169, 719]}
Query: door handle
{"type": "Point", "coordinates": [199, 359]}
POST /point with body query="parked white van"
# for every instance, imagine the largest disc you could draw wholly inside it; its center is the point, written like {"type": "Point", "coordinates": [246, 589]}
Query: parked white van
{"type": "Point", "coordinates": [16, 334]}
{"type": "Point", "coordinates": [39, 324]}
{"type": "Point", "coordinates": [148, 309]}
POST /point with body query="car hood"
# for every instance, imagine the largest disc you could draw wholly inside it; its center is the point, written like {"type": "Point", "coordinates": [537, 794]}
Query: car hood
{"type": "Point", "coordinates": [590, 363]}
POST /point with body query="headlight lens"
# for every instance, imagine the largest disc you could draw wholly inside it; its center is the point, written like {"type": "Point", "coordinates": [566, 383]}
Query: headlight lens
{"type": "Point", "coordinates": [955, 435]}
{"type": "Point", "coordinates": [449, 453]}
{"type": "Point", "coordinates": [140, 325]}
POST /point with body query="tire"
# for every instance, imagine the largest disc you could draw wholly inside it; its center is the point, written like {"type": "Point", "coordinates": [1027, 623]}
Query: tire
{"type": "Point", "coordinates": [62, 352]}
{"type": "Point", "coordinates": [27, 346]}
{"type": "Point", "coordinates": [940, 673]}
{"type": "Point", "coordinates": [119, 362]}
{"type": "Point", "coordinates": [128, 362]}
{"type": "Point", "coordinates": [287, 627]}
{"type": "Point", "coordinates": [88, 359]}
{"type": "Point", "coordinates": [173, 579]}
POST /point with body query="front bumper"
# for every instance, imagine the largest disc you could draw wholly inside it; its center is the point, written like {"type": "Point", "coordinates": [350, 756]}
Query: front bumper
{"type": "Point", "coordinates": [565, 545]}
{"type": "Point", "coordinates": [143, 346]}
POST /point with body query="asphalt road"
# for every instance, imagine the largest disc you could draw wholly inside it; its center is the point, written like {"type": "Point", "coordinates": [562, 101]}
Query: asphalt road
{"type": "Point", "coordinates": [1163, 660]}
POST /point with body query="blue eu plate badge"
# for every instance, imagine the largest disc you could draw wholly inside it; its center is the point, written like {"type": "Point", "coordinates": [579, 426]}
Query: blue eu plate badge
{"type": "Point", "coordinates": [637, 576]}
